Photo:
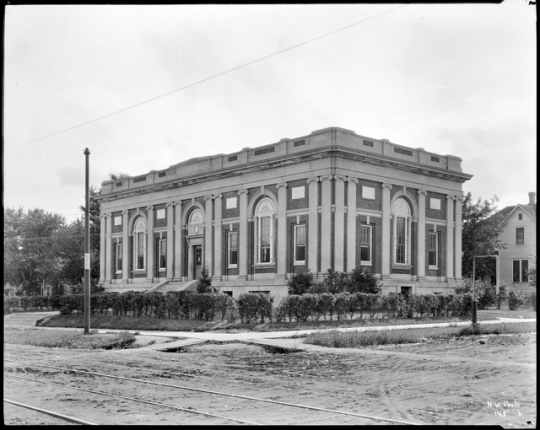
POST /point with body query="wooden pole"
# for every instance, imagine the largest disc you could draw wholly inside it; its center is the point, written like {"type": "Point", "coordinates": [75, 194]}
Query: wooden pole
{"type": "Point", "coordinates": [87, 248]}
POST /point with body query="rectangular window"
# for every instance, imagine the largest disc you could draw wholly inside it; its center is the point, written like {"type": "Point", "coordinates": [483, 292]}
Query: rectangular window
{"type": "Point", "coordinates": [520, 235]}
{"type": "Point", "coordinates": [118, 256]}
{"type": "Point", "coordinates": [400, 240]}
{"type": "Point", "coordinates": [519, 270]}
{"type": "Point", "coordinates": [140, 251]}
{"type": "Point", "coordinates": [299, 244]}
{"type": "Point", "coordinates": [162, 254]}
{"type": "Point", "coordinates": [265, 240]}
{"type": "Point", "coordinates": [433, 250]}
{"type": "Point", "coordinates": [365, 245]}
{"type": "Point", "coordinates": [233, 249]}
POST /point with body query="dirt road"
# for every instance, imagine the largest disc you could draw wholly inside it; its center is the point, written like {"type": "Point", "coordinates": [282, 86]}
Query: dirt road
{"type": "Point", "coordinates": [485, 383]}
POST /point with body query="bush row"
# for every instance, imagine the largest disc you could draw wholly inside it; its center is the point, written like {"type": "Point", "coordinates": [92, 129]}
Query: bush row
{"type": "Point", "coordinates": [362, 305]}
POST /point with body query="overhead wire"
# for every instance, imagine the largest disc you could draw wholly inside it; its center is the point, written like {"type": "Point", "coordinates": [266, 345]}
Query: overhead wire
{"type": "Point", "coordinates": [206, 79]}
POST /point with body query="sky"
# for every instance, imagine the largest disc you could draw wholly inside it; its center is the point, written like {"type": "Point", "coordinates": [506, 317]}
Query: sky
{"type": "Point", "coordinates": [147, 87]}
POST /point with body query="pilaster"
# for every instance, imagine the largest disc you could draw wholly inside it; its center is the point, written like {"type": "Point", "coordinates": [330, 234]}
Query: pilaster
{"type": "Point", "coordinates": [351, 224]}
{"type": "Point", "coordinates": [178, 255]}
{"type": "Point", "coordinates": [218, 260]}
{"type": "Point", "coordinates": [339, 224]}
{"type": "Point", "coordinates": [102, 245]}
{"type": "Point", "coordinates": [313, 220]}
{"type": "Point", "coordinates": [449, 238]}
{"type": "Point", "coordinates": [458, 244]}
{"type": "Point", "coordinates": [125, 247]}
{"type": "Point", "coordinates": [421, 257]}
{"type": "Point", "coordinates": [170, 229]}
{"type": "Point", "coordinates": [208, 257]}
{"type": "Point", "coordinates": [150, 245]}
{"type": "Point", "coordinates": [386, 251]}
{"type": "Point", "coordinates": [243, 242]}
{"type": "Point", "coordinates": [282, 231]}
{"type": "Point", "coordinates": [108, 249]}
{"type": "Point", "coordinates": [326, 223]}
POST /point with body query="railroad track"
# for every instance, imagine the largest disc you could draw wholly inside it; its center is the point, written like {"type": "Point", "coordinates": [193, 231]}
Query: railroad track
{"type": "Point", "coordinates": [364, 418]}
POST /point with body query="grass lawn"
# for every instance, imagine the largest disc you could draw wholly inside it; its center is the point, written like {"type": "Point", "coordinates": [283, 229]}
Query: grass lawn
{"type": "Point", "coordinates": [66, 339]}
{"type": "Point", "coordinates": [359, 339]}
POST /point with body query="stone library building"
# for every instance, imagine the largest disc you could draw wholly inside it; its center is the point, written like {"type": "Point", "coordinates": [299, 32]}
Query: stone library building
{"type": "Point", "coordinates": [331, 199]}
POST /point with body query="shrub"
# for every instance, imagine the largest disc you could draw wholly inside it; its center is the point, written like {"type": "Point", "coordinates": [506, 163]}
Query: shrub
{"type": "Point", "coordinates": [362, 282]}
{"type": "Point", "coordinates": [516, 298]}
{"type": "Point", "coordinates": [485, 293]}
{"type": "Point", "coordinates": [533, 300]}
{"type": "Point", "coordinates": [502, 297]}
{"type": "Point", "coordinates": [306, 306]}
{"type": "Point", "coordinates": [300, 283]}
{"type": "Point", "coordinates": [204, 285]}
{"type": "Point", "coordinates": [335, 282]}
{"type": "Point", "coordinates": [248, 307]}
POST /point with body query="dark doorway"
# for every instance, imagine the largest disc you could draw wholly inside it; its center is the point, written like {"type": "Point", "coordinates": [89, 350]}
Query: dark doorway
{"type": "Point", "coordinates": [197, 259]}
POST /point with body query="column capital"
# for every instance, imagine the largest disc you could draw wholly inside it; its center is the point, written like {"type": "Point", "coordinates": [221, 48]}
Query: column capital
{"type": "Point", "coordinates": [352, 180]}
{"type": "Point", "coordinates": [340, 177]}
{"type": "Point", "coordinates": [458, 198]}
{"type": "Point", "coordinates": [240, 192]}
{"type": "Point", "coordinates": [449, 197]}
{"type": "Point", "coordinates": [150, 208]}
{"type": "Point", "coordinates": [281, 185]}
{"type": "Point", "coordinates": [386, 186]}
{"type": "Point", "coordinates": [104, 216]}
{"type": "Point", "coordinates": [125, 212]}
{"type": "Point", "coordinates": [179, 203]}
{"type": "Point", "coordinates": [169, 204]}
{"type": "Point", "coordinates": [422, 192]}
{"type": "Point", "coordinates": [206, 198]}
{"type": "Point", "coordinates": [218, 196]}
{"type": "Point", "coordinates": [326, 177]}
{"type": "Point", "coordinates": [310, 180]}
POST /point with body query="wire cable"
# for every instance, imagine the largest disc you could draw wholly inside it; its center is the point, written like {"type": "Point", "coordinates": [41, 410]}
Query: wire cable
{"type": "Point", "coordinates": [206, 79]}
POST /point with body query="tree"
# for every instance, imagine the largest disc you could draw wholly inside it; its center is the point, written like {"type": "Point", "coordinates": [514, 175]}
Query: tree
{"type": "Point", "coordinates": [29, 248]}
{"type": "Point", "coordinates": [532, 273]}
{"type": "Point", "coordinates": [482, 225]}
{"type": "Point", "coordinates": [95, 231]}
{"type": "Point", "coordinates": [300, 283]}
{"type": "Point", "coordinates": [363, 282]}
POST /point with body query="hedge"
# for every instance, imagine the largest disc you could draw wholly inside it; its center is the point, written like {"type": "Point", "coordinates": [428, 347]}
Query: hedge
{"type": "Point", "coordinates": [250, 307]}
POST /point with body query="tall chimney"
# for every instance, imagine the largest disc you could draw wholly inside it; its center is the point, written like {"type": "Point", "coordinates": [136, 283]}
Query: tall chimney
{"type": "Point", "coordinates": [532, 198]}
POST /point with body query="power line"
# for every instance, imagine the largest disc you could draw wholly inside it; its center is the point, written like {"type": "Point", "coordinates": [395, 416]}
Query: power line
{"type": "Point", "coordinates": [207, 79]}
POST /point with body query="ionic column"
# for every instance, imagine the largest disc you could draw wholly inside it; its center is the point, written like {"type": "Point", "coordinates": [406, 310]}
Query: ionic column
{"type": "Point", "coordinates": [326, 223]}
{"type": "Point", "coordinates": [449, 238]}
{"type": "Point", "coordinates": [108, 249]}
{"type": "Point", "coordinates": [178, 241]}
{"type": "Point", "coordinates": [125, 247]}
{"type": "Point", "coordinates": [313, 225]}
{"type": "Point", "coordinates": [208, 257]}
{"type": "Point", "coordinates": [351, 224]}
{"type": "Point", "coordinates": [421, 269]}
{"type": "Point", "coordinates": [170, 229]}
{"type": "Point", "coordinates": [386, 251]}
{"type": "Point", "coordinates": [102, 244]}
{"type": "Point", "coordinates": [150, 245]}
{"type": "Point", "coordinates": [457, 248]}
{"type": "Point", "coordinates": [218, 261]}
{"type": "Point", "coordinates": [282, 231]}
{"type": "Point", "coordinates": [243, 242]}
{"type": "Point", "coordinates": [339, 224]}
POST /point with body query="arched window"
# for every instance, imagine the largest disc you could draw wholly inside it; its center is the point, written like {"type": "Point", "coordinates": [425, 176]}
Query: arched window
{"type": "Point", "coordinates": [139, 244]}
{"type": "Point", "coordinates": [402, 231]}
{"type": "Point", "coordinates": [195, 222]}
{"type": "Point", "coordinates": [264, 231]}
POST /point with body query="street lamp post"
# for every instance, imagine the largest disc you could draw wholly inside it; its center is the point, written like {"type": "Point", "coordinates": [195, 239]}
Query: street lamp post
{"type": "Point", "coordinates": [87, 248]}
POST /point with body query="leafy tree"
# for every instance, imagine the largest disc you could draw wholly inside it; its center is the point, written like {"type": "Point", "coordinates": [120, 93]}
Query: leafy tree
{"type": "Point", "coordinates": [482, 225]}
{"type": "Point", "coordinates": [532, 273]}
{"type": "Point", "coordinates": [95, 230]}
{"type": "Point", "coordinates": [29, 248]}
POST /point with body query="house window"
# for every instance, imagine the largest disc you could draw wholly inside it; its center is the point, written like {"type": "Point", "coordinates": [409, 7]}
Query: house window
{"type": "Point", "coordinates": [520, 235]}
{"type": "Point", "coordinates": [433, 250]}
{"type": "Point", "coordinates": [139, 246]}
{"type": "Point", "coordinates": [162, 253]}
{"type": "Point", "coordinates": [520, 217]}
{"type": "Point", "coordinates": [264, 231]}
{"type": "Point", "coordinates": [299, 244]}
{"type": "Point", "coordinates": [233, 249]}
{"type": "Point", "coordinates": [402, 231]}
{"type": "Point", "coordinates": [365, 245]}
{"type": "Point", "coordinates": [118, 256]}
{"type": "Point", "coordinates": [519, 270]}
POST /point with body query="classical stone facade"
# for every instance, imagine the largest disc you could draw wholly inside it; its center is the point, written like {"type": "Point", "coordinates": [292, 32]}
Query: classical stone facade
{"type": "Point", "coordinates": [331, 199]}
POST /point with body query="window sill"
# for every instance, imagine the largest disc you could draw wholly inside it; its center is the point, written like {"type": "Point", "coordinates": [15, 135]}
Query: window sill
{"type": "Point", "coordinates": [299, 263]}
{"type": "Point", "coordinates": [433, 268]}
{"type": "Point", "coordinates": [366, 263]}
{"type": "Point", "coordinates": [272, 264]}
{"type": "Point", "coordinates": [401, 266]}
{"type": "Point", "coordinates": [233, 266]}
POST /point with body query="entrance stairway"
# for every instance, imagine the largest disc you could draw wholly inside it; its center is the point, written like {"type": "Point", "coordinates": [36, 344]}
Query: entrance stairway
{"type": "Point", "coordinates": [167, 286]}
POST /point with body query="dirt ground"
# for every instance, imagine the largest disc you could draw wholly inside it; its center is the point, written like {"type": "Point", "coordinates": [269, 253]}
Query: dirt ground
{"type": "Point", "coordinates": [436, 382]}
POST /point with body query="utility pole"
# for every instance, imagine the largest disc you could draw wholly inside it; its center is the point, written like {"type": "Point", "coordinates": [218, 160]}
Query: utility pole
{"type": "Point", "coordinates": [87, 248]}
